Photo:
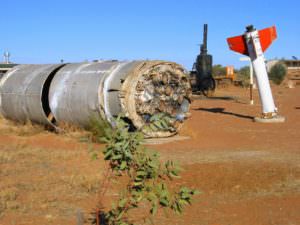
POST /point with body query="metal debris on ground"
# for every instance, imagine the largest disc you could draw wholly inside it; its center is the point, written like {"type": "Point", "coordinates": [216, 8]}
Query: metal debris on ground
{"type": "Point", "coordinates": [154, 96]}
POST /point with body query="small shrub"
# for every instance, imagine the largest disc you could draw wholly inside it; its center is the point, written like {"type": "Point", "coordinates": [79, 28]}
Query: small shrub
{"type": "Point", "coordinates": [277, 73]}
{"type": "Point", "coordinates": [99, 128]}
{"type": "Point", "coordinates": [148, 179]}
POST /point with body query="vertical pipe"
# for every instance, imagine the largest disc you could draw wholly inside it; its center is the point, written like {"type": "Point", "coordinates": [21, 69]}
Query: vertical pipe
{"type": "Point", "coordinates": [251, 84]}
{"type": "Point", "coordinates": [205, 39]}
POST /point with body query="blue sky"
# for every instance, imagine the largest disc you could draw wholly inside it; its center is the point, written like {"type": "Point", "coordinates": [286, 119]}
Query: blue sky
{"type": "Point", "coordinates": [47, 31]}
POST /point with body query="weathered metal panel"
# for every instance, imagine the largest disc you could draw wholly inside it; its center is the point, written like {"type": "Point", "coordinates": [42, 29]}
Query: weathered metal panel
{"type": "Point", "coordinates": [21, 91]}
{"type": "Point", "coordinates": [112, 88]}
{"type": "Point", "coordinates": [74, 92]}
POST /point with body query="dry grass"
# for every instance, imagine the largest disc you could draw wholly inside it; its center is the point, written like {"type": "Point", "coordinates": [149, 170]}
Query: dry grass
{"type": "Point", "coordinates": [72, 128]}
{"type": "Point", "coordinates": [50, 181]}
{"type": "Point", "coordinates": [8, 127]}
{"type": "Point", "coordinates": [8, 200]}
{"type": "Point", "coordinates": [20, 129]}
{"type": "Point", "coordinates": [6, 157]}
{"type": "Point", "coordinates": [10, 153]}
{"type": "Point", "coordinates": [82, 183]}
{"type": "Point", "coordinates": [74, 131]}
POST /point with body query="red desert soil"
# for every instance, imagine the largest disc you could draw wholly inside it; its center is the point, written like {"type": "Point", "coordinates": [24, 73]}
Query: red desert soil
{"type": "Point", "coordinates": [249, 173]}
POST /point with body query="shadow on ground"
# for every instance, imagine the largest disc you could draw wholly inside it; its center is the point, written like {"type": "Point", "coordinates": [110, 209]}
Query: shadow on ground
{"type": "Point", "coordinates": [221, 110]}
{"type": "Point", "coordinates": [225, 98]}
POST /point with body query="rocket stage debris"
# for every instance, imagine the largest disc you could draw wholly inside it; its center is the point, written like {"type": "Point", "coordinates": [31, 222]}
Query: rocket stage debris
{"type": "Point", "coordinates": [253, 44]}
{"type": "Point", "coordinates": [154, 96]}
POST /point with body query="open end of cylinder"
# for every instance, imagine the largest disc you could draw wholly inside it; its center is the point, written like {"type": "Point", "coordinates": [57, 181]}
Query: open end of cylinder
{"type": "Point", "coordinates": [45, 97]}
{"type": "Point", "coordinates": [161, 98]}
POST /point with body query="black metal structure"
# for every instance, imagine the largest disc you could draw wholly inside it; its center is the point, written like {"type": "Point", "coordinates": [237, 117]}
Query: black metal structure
{"type": "Point", "coordinates": [201, 74]}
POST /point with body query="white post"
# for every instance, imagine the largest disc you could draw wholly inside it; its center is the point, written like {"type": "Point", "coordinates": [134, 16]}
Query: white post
{"type": "Point", "coordinates": [251, 84]}
{"type": "Point", "coordinates": [251, 77]}
{"type": "Point", "coordinates": [257, 59]}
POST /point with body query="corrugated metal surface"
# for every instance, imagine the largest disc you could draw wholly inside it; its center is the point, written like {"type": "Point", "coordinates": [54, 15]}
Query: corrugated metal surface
{"type": "Point", "coordinates": [21, 91]}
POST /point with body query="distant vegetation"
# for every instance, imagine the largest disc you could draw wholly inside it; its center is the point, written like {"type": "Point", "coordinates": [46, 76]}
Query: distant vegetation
{"type": "Point", "coordinates": [243, 74]}
{"type": "Point", "coordinates": [278, 73]}
{"type": "Point", "coordinates": [218, 70]}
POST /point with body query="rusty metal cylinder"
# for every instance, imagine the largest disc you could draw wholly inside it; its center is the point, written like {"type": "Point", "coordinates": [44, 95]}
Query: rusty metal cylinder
{"type": "Point", "coordinates": [153, 96]}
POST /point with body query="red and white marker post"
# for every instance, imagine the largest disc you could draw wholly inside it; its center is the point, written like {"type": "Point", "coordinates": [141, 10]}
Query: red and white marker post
{"type": "Point", "coordinates": [253, 43]}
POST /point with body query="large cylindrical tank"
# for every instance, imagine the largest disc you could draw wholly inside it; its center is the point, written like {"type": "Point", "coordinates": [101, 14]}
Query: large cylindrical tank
{"type": "Point", "coordinates": [24, 93]}
{"type": "Point", "coordinates": [153, 96]}
{"type": "Point", "coordinates": [81, 90]}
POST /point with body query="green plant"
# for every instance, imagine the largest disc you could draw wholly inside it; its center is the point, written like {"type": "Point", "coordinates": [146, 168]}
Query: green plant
{"type": "Point", "coordinates": [244, 75]}
{"type": "Point", "coordinates": [277, 73]}
{"type": "Point", "coordinates": [148, 180]}
{"type": "Point", "coordinates": [218, 70]}
{"type": "Point", "coordinates": [99, 128]}
{"type": "Point", "coordinates": [160, 122]}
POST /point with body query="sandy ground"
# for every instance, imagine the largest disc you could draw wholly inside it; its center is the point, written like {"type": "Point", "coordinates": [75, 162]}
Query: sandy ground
{"type": "Point", "coordinates": [248, 173]}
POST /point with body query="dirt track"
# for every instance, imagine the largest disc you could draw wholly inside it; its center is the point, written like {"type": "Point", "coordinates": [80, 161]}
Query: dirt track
{"type": "Point", "coordinates": [249, 173]}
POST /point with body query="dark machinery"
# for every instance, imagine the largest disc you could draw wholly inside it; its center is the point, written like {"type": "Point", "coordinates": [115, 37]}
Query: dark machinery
{"type": "Point", "coordinates": [201, 74]}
